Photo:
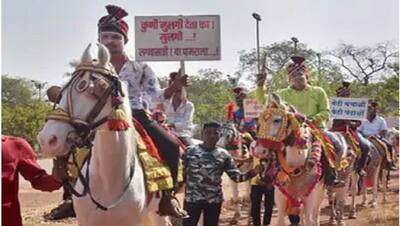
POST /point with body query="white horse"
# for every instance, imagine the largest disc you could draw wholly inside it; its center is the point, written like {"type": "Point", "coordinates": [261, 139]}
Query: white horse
{"type": "Point", "coordinates": [232, 141]}
{"type": "Point", "coordinates": [114, 176]}
{"type": "Point", "coordinates": [377, 163]}
{"type": "Point", "coordinates": [392, 136]}
{"type": "Point", "coordinates": [294, 166]}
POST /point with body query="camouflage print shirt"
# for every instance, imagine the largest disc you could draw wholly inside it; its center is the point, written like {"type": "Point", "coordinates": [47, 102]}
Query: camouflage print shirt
{"type": "Point", "coordinates": [203, 169]}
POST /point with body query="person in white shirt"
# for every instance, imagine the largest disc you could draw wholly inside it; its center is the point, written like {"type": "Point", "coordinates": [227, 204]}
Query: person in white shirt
{"type": "Point", "coordinates": [179, 113]}
{"type": "Point", "coordinates": [375, 126]}
{"type": "Point", "coordinates": [143, 83]}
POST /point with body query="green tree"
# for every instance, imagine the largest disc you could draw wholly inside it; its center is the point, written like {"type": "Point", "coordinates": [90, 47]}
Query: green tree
{"type": "Point", "coordinates": [24, 120]}
{"type": "Point", "coordinates": [385, 92]}
{"type": "Point", "coordinates": [322, 68]}
{"type": "Point", "coordinates": [210, 93]}
{"type": "Point", "coordinates": [22, 114]}
{"type": "Point", "coordinates": [16, 91]}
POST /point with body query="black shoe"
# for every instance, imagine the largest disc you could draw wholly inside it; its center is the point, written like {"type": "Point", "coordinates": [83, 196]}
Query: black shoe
{"type": "Point", "coordinates": [294, 219]}
{"type": "Point", "coordinates": [64, 210]}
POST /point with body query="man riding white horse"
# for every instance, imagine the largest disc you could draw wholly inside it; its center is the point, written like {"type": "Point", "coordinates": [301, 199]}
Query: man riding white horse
{"type": "Point", "coordinates": [113, 33]}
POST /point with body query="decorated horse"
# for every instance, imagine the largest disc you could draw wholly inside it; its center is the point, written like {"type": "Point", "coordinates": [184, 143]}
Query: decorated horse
{"type": "Point", "coordinates": [237, 145]}
{"type": "Point", "coordinates": [345, 168]}
{"type": "Point", "coordinates": [93, 111]}
{"type": "Point", "coordinates": [292, 156]}
{"type": "Point", "coordinates": [377, 164]}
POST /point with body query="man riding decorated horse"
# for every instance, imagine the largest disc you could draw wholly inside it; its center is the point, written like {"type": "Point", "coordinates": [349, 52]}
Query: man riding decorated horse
{"type": "Point", "coordinates": [312, 101]}
{"type": "Point", "coordinates": [349, 128]}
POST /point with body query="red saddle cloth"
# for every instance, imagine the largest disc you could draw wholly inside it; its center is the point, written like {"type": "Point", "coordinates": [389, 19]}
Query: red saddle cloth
{"type": "Point", "coordinates": [151, 147]}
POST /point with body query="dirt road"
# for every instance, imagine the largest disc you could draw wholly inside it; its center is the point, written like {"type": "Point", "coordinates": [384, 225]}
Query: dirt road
{"type": "Point", "coordinates": [35, 204]}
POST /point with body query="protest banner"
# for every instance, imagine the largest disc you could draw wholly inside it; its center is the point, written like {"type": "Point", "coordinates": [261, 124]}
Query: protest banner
{"type": "Point", "coordinates": [348, 108]}
{"type": "Point", "coordinates": [177, 38]}
{"type": "Point", "coordinates": [252, 108]}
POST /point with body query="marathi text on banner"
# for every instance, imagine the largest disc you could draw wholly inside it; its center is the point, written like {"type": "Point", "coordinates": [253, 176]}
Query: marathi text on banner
{"type": "Point", "coordinates": [348, 108]}
{"type": "Point", "coordinates": [176, 38]}
{"type": "Point", "coordinates": [252, 108]}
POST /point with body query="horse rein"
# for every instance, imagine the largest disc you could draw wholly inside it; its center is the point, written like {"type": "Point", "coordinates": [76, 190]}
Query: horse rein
{"type": "Point", "coordinates": [85, 127]}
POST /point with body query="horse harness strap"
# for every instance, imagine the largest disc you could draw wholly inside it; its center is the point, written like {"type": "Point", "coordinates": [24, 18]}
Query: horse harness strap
{"type": "Point", "coordinates": [99, 205]}
{"type": "Point", "coordinates": [80, 125]}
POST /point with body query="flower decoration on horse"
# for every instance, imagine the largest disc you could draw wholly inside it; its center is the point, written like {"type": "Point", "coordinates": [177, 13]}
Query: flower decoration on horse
{"type": "Point", "coordinates": [282, 134]}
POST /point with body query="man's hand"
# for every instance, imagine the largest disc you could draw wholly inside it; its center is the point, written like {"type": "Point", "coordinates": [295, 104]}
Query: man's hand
{"type": "Point", "coordinates": [261, 79]}
{"type": "Point", "coordinates": [180, 81]}
{"type": "Point", "coordinates": [60, 170]}
{"type": "Point", "coordinates": [259, 168]}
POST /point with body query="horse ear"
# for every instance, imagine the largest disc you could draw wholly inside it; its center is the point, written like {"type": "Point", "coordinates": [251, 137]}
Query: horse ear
{"type": "Point", "coordinates": [292, 108]}
{"type": "Point", "coordinates": [86, 56]}
{"type": "Point", "coordinates": [103, 55]}
{"type": "Point", "coordinates": [276, 99]}
{"type": "Point", "coordinates": [53, 93]}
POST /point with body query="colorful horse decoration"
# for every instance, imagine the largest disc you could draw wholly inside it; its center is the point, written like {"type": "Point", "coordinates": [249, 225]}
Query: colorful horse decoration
{"type": "Point", "coordinates": [94, 112]}
{"type": "Point", "coordinates": [237, 145]}
{"type": "Point", "coordinates": [293, 159]}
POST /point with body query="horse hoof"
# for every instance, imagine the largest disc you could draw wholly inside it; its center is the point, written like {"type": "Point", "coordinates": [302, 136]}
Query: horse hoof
{"type": "Point", "coordinates": [332, 221]}
{"type": "Point", "coordinates": [233, 222]}
{"type": "Point", "coordinates": [236, 216]}
{"type": "Point", "coordinates": [353, 215]}
{"type": "Point", "coordinates": [374, 204]}
{"type": "Point", "coordinates": [363, 204]}
{"type": "Point", "coordinates": [341, 223]}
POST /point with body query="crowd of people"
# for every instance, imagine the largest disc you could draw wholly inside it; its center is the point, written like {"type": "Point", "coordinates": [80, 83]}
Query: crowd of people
{"type": "Point", "coordinates": [203, 164]}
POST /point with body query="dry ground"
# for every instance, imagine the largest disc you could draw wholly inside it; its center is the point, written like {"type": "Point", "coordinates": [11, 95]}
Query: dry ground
{"type": "Point", "coordinates": [35, 204]}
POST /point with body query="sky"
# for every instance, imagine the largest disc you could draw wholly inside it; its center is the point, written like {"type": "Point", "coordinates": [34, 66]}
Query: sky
{"type": "Point", "coordinates": [40, 37]}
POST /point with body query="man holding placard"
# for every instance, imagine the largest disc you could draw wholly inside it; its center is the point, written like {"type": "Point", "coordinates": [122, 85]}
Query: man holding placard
{"type": "Point", "coordinates": [350, 127]}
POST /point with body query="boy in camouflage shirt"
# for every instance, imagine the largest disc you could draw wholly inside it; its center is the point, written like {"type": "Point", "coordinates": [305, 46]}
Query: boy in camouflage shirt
{"type": "Point", "coordinates": [203, 166]}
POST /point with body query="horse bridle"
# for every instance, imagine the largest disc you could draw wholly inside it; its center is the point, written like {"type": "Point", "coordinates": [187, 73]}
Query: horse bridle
{"type": "Point", "coordinates": [85, 127]}
{"type": "Point", "coordinates": [88, 124]}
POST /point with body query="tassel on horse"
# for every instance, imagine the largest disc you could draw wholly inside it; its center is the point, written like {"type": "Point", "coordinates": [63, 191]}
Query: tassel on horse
{"type": "Point", "coordinates": [117, 120]}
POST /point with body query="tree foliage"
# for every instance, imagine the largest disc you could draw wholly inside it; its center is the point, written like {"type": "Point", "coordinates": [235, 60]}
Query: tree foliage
{"type": "Point", "coordinates": [15, 91]}
{"type": "Point", "coordinates": [210, 93]}
{"type": "Point", "coordinates": [24, 120]}
{"type": "Point", "coordinates": [22, 114]}
{"type": "Point", "coordinates": [365, 64]}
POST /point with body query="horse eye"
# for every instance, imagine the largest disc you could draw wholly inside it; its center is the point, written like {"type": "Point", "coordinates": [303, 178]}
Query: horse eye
{"type": "Point", "coordinates": [277, 120]}
{"type": "Point", "coordinates": [82, 86]}
{"type": "Point", "coordinates": [100, 87]}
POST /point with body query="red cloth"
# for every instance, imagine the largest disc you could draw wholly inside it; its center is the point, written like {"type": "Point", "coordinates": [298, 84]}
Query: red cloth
{"type": "Point", "coordinates": [18, 157]}
{"type": "Point", "coordinates": [151, 147]}
{"type": "Point", "coordinates": [114, 22]}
